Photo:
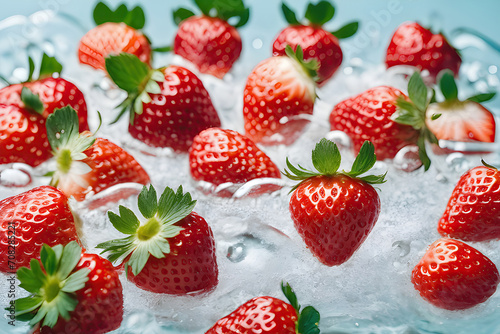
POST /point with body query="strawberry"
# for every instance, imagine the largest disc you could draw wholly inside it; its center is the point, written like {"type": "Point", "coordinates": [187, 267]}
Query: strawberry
{"type": "Point", "coordinates": [455, 276]}
{"type": "Point", "coordinates": [116, 31]}
{"type": "Point", "coordinates": [86, 164]}
{"type": "Point", "coordinates": [368, 116]}
{"type": "Point", "coordinates": [277, 92]}
{"type": "Point", "coordinates": [416, 46]}
{"type": "Point", "coordinates": [29, 220]}
{"type": "Point", "coordinates": [472, 211]}
{"type": "Point", "coordinates": [316, 42]}
{"type": "Point", "coordinates": [172, 251]}
{"type": "Point", "coordinates": [208, 40]}
{"type": "Point", "coordinates": [334, 211]}
{"type": "Point", "coordinates": [218, 156]}
{"type": "Point", "coordinates": [457, 120]}
{"type": "Point", "coordinates": [70, 292]}
{"type": "Point", "coordinates": [24, 109]}
{"type": "Point", "coordinates": [168, 106]}
{"type": "Point", "coordinates": [269, 315]}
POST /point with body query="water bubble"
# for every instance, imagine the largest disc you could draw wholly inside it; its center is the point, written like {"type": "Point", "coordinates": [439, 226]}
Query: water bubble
{"type": "Point", "coordinates": [257, 43]}
{"type": "Point", "coordinates": [17, 175]}
{"type": "Point", "coordinates": [343, 141]}
{"type": "Point", "coordinates": [402, 247]}
{"type": "Point", "coordinates": [407, 159]}
{"type": "Point", "coordinates": [237, 252]}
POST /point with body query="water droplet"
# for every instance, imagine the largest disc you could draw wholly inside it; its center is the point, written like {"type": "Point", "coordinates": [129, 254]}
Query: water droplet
{"type": "Point", "coordinates": [257, 43]}
{"type": "Point", "coordinates": [15, 177]}
{"type": "Point", "coordinates": [236, 252]}
{"type": "Point", "coordinates": [402, 247]}
{"type": "Point", "coordinates": [407, 159]}
{"type": "Point", "coordinates": [342, 140]}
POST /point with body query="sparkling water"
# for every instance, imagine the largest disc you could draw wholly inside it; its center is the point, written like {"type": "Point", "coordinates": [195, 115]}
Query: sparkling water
{"type": "Point", "coordinates": [257, 245]}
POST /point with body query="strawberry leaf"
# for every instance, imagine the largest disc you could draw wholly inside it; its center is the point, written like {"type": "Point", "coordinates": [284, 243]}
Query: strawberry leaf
{"type": "Point", "coordinates": [52, 290]}
{"type": "Point", "coordinates": [134, 18]}
{"type": "Point", "coordinates": [365, 159]}
{"type": "Point", "coordinates": [63, 131]}
{"type": "Point", "coordinates": [480, 98]}
{"type": "Point", "coordinates": [326, 157]}
{"type": "Point", "coordinates": [148, 202]}
{"type": "Point", "coordinates": [49, 66]}
{"type": "Point", "coordinates": [127, 71]}
{"type": "Point", "coordinates": [310, 66]}
{"type": "Point", "coordinates": [417, 91]}
{"type": "Point", "coordinates": [150, 237]}
{"type": "Point", "coordinates": [167, 48]}
{"type": "Point", "coordinates": [31, 69]}
{"type": "Point", "coordinates": [289, 14]}
{"type": "Point", "coordinates": [487, 164]}
{"type": "Point", "coordinates": [320, 13]}
{"type": "Point", "coordinates": [308, 321]}
{"type": "Point", "coordinates": [346, 31]}
{"type": "Point", "coordinates": [181, 14]}
{"type": "Point", "coordinates": [173, 207]}
{"type": "Point", "coordinates": [32, 101]}
{"type": "Point", "coordinates": [448, 86]}
{"type": "Point", "coordinates": [290, 296]}
{"type": "Point", "coordinates": [422, 152]}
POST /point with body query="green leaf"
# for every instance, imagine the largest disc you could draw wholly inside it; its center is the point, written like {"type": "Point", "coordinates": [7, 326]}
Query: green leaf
{"type": "Point", "coordinates": [76, 281]}
{"type": "Point", "coordinates": [66, 304]}
{"type": "Point", "coordinates": [417, 91]}
{"type": "Point", "coordinates": [308, 321]}
{"type": "Point", "coordinates": [27, 304]}
{"type": "Point", "coordinates": [346, 31]}
{"type": "Point", "coordinates": [148, 202]}
{"type": "Point", "coordinates": [62, 127]}
{"type": "Point", "coordinates": [181, 14]}
{"type": "Point", "coordinates": [31, 69]}
{"type": "Point", "coordinates": [135, 18]}
{"type": "Point", "coordinates": [126, 223]}
{"type": "Point", "coordinates": [138, 259]}
{"type": "Point", "coordinates": [297, 174]}
{"type": "Point", "coordinates": [365, 159]}
{"type": "Point", "coordinates": [49, 259]}
{"type": "Point", "coordinates": [374, 179]}
{"type": "Point", "coordinates": [408, 114]}
{"type": "Point", "coordinates": [167, 48]}
{"type": "Point", "coordinates": [205, 6]}
{"type": "Point", "coordinates": [480, 98]}
{"type": "Point", "coordinates": [435, 116]}
{"type": "Point", "coordinates": [49, 66]}
{"type": "Point", "coordinates": [173, 207]}
{"type": "Point", "coordinates": [448, 86]}
{"type": "Point", "coordinates": [69, 259]}
{"type": "Point", "coordinates": [290, 296]}
{"type": "Point", "coordinates": [290, 16]}
{"type": "Point", "coordinates": [243, 15]}
{"type": "Point", "coordinates": [422, 152]}
{"type": "Point", "coordinates": [32, 101]}
{"type": "Point", "coordinates": [487, 164]}
{"type": "Point", "coordinates": [127, 71]}
{"type": "Point", "coordinates": [29, 280]}
{"type": "Point", "coordinates": [320, 13]}
{"type": "Point", "coordinates": [326, 157]}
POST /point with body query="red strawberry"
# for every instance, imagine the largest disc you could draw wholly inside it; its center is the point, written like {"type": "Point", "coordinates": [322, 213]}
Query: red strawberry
{"type": "Point", "coordinates": [172, 251]}
{"type": "Point", "coordinates": [316, 42]}
{"type": "Point", "coordinates": [334, 211]}
{"type": "Point", "coordinates": [219, 156]}
{"type": "Point", "coordinates": [209, 41]}
{"type": "Point", "coordinates": [71, 292]}
{"type": "Point", "coordinates": [472, 213]}
{"type": "Point", "coordinates": [116, 31]}
{"type": "Point", "coordinates": [269, 315]}
{"type": "Point", "coordinates": [456, 120]}
{"type": "Point", "coordinates": [416, 46]}
{"type": "Point", "coordinates": [455, 276]}
{"type": "Point", "coordinates": [368, 116]}
{"type": "Point", "coordinates": [24, 109]}
{"type": "Point", "coordinates": [277, 92]}
{"type": "Point", "coordinates": [170, 109]}
{"type": "Point", "coordinates": [29, 220]}
{"type": "Point", "coordinates": [85, 164]}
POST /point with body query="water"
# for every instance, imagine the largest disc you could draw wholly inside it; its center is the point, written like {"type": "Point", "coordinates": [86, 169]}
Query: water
{"type": "Point", "coordinates": [257, 245]}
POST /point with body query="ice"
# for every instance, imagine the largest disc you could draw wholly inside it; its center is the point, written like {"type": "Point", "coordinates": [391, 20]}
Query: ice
{"type": "Point", "coordinates": [257, 244]}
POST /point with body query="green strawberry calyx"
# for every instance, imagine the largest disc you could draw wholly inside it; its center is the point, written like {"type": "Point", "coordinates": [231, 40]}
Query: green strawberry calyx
{"type": "Point", "coordinates": [449, 89]}
{"type": "Point", "coordinates": [149, 237]}
{"type": "Point", "coordinates": [226, 10]}
{"type": "Point", "coordinates": [68, 146]}
{"type": "Point", "coordinates": [308, 318]}
{"type": "Point", "coordinates": [134, 18]}
{"type": "Point", "coordinates": [51, 282]}
{"type": "Point", "coordinates": [319, 14]}
{"type": "Point", "coordinates": [136, 78]}
{"type": "Point", "coordinates": [326, 160]}
{"type": "Point", "coordinates": [310, 66]}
